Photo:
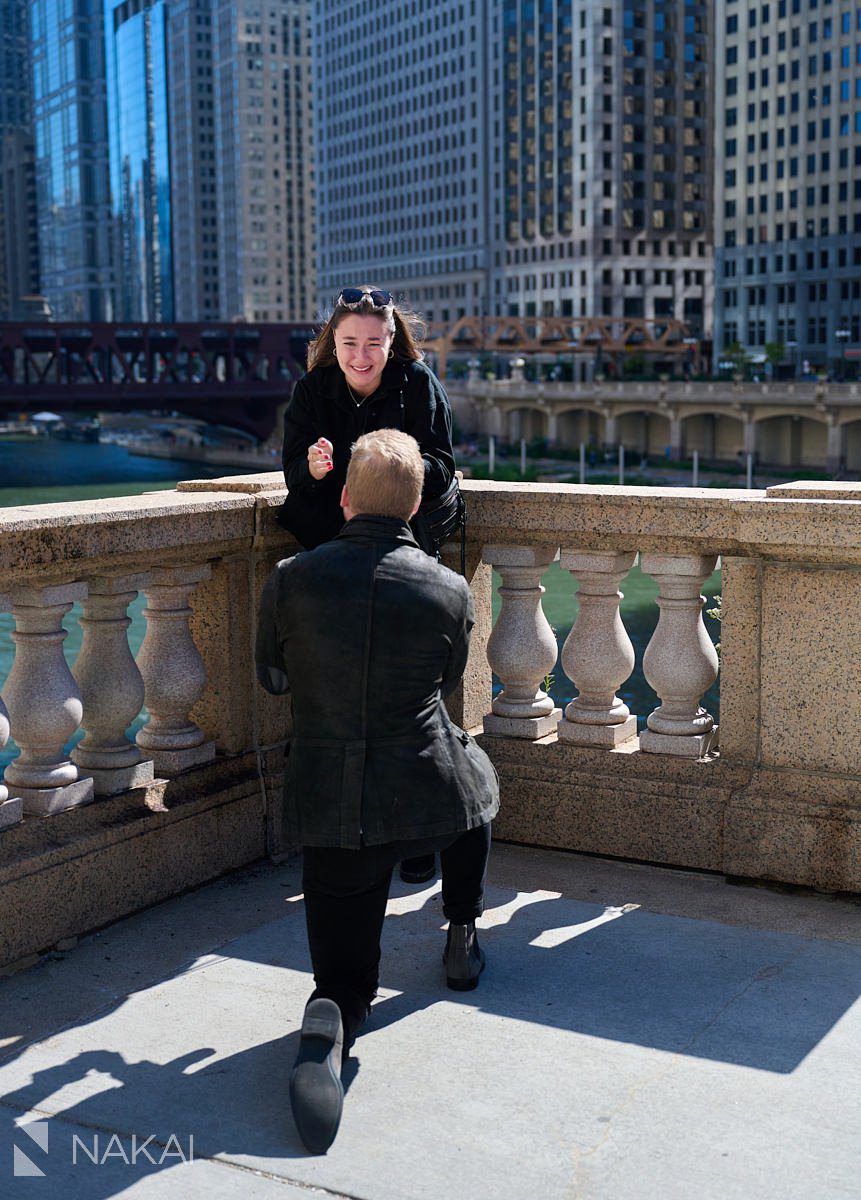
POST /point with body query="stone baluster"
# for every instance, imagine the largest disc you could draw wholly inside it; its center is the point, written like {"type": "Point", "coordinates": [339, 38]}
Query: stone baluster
{"type": "Point", "coordinates": [173, 672]}
{"type": "Point", "coordinates": [11, 807]}
{"type": "Point", "coordinates": [44, 703]}
{"type": "Point", "coordinates": [522, 647]}
{"type": "Point", "coordinates": [598, 655]}
{"type": "Point", "coordinates": [680, 662]}
{"type": "Point", "coordinates": [111, 688]}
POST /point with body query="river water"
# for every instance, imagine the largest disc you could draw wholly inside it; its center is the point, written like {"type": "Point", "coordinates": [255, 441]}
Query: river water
{"type": "Point", "coordinates": [43, 470]}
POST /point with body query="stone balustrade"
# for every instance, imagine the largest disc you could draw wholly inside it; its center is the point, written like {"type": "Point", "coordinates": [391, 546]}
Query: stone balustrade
{"type": "Point", "coordinates": [198, 789]}
{"type": "Point", "coordinates": [787, 423]}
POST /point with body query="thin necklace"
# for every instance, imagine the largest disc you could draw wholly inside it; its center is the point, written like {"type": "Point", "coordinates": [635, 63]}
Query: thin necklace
{"type": "Point", "coordinates": [357, 400]}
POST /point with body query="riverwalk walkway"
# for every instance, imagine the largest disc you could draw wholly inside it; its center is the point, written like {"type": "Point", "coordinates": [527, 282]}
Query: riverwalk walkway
{"type": "Point", "coordinates": [639, 1034]}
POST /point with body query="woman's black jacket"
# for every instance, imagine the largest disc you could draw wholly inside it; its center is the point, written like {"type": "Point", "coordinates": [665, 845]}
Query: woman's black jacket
{"type": "Point", "coordinates": [410, 397]}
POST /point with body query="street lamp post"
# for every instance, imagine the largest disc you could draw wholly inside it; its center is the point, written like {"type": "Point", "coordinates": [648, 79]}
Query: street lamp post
{"type": "Point", "coordinates": [842, 335]}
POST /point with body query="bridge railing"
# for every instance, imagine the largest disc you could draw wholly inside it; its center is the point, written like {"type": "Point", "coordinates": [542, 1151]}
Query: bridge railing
{"type": "Point", "coordinates": [779, 797]}
{"type": "Point", "coordinates": [711, 392]}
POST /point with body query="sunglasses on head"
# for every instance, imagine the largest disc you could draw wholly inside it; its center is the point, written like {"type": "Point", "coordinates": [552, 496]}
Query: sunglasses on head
{"type": "Point", "coordinates": [350, 297]}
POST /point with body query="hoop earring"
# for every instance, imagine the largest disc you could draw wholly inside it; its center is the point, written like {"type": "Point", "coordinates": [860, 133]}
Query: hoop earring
{"type": "Point", "coordinates": [391, 354]}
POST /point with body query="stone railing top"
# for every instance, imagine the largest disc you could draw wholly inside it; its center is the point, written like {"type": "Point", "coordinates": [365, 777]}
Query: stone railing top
{"type": "Point", "coordinates": [263, 481]}
{"type": "Point", "coordinates": [672, 520]}
{"type": "Point", "coordinates": [825, 489]}
{"type": "Point", "coordinates": [56, 539]}
{"type": "Point", "coordinates": [207, 519]}
{"type": "Point", "coordinates": [807, 392]}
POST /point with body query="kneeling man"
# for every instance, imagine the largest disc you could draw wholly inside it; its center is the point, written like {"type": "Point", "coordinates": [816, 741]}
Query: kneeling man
{"type": "Point", "coordinates": [368, 634]}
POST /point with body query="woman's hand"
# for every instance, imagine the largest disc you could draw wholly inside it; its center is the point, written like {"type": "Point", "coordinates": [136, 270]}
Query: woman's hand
{"type": "Point", "coordinates": [320, 458]}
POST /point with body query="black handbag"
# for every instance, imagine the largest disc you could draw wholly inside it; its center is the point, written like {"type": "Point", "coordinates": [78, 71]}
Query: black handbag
{"type": "Point", "coordinates": [440, 517]}
{"type": "Point", "coordinates": [443, 515]}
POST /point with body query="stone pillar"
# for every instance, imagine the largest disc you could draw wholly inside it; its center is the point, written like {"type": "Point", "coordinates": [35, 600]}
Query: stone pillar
{"type": "Point", "coordinates": [173, 672]}
{"type": "Point", "coordinates": [494, 420]}
{"type": "Point", "coordinates": [551, 427]}
{"type": "Point", "coordinates": [11, 807]}
{"type": "Point", "coordinates": [467, 704]}
{"type": "Point", "coordinates": [677, 438]}
{"type": "Point", "coordinates": [680, 662]}
{"type": "Point", "coordinates": [610, 430]}
{"type": "Point", "coordinates": [111, 688]}
{"type": "Point", "coordinates": [750, 438]}
{"type": "Point", "coordinates": [514, 425]}
{"type": "Point", "coordinates": [598, 655]}
{"type": "Point", "coordinates": [835, 459]}
{"type": "Point", "coordinates": [522, 647]}
{"type": "Point", "coordinates": [44, 703]}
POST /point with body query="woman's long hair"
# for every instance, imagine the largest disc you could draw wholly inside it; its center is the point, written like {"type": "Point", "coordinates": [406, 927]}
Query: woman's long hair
{"type": "Point", "coordinates": [408, 328]}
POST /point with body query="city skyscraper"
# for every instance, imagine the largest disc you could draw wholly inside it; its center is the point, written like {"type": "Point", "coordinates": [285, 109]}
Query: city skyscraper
{"type": "Point", "coordinates": [19, 244]}
{"type": "Point", "coordinates": [72, 190]}
{"type": "Point", "coordinates": [788, 220]}
{"type": "Point", "coordinates": [407, 151]}
{"type": "Point", "coordinates": [541, 158]}
{"type": "Point", "coordinates": [137, 91]}
{"type": "Point", "coordinates": [608, 184]}
{"type": "Point", "coordinates": [264, 175]}
{"type": "Point", "coordinates": [193, 186]}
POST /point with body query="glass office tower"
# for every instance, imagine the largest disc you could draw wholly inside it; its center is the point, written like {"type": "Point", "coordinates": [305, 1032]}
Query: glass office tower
{"type": "Point", "coordinates": [19, 256]}
{"type": "Point", "coordinates": [136, 68]}
{"type": "Point", "coordinates": [262, 90]}
{"type": "Point", "coordinates": [71, 158]}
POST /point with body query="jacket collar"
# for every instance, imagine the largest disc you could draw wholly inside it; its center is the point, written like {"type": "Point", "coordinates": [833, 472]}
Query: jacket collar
{"type": "Point", "coordinates": [378, 529]}
{"type": "Point", "coordinates": [333, 384]}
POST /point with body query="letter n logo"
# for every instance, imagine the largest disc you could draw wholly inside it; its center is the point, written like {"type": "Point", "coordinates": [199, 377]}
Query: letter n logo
{"type": "Point", "coordinates": [21, 1163]}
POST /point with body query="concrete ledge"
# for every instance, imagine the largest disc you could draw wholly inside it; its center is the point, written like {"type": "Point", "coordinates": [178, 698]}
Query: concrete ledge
{"type": "Point", "coordinates": [822, 489]}
{"type": "Point", "coordinates": [621, 802]}
{"type": "Point", "coordinates": [78, 870]}
{"type": "Point", "coordinates": [665, 520]}
{"type": "Point", "coordinates": [748, 821]}
{"type": "Point", "coordinates": [806, 824]}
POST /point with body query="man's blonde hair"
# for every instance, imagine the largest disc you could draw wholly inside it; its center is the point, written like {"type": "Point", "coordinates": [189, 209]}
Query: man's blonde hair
{"type": "Point", "coordinates": [386, 474]}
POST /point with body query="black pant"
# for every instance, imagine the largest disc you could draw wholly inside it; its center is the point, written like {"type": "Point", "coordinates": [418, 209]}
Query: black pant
{"type": "Point", "coordinates": [345, 902]}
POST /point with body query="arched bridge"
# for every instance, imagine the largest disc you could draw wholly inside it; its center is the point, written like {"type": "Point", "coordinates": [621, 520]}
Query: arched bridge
{"type": "Point", "coordinates": [233, 374]}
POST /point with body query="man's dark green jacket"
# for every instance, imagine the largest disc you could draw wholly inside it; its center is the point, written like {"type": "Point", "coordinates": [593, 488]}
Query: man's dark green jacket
{"type": "Point", "coordinates": [368, 633]}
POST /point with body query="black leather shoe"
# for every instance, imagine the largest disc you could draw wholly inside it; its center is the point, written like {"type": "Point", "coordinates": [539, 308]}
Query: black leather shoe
{"type": "Point", "coordinates": [418, 870]}
{"type": "Point", "coordinates": [463, 957]}
{"type": "Point", "coordinates": [316, 1091]}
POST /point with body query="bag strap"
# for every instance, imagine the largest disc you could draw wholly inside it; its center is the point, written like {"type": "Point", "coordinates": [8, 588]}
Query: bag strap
{"type": "Point", "coordinates": [461, 503]}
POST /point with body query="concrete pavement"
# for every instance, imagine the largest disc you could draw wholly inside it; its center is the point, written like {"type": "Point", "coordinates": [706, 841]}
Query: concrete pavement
{"type": "Point", "coordinates": [639, 1033]}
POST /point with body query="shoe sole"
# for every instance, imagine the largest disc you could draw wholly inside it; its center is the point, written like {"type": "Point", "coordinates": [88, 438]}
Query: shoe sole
{"type": "Point", "coordinates": [316, 1091]}
{"type": "Point", "coordinates": [465, 985]}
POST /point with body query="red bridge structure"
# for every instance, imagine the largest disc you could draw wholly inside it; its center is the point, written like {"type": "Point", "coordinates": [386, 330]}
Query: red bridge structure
{"type": "Point", "coordinates": [232, 374]}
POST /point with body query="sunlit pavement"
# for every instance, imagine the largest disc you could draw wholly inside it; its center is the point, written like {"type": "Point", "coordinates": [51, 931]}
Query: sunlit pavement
{"type": "Point", "coordinates": [638, 1033]}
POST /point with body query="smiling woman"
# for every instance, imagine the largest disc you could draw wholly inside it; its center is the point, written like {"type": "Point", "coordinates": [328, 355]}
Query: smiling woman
{"type": "Point", "coordinates": [362, 347]}
{"type": "Point", "coordinates": [364, 373]}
